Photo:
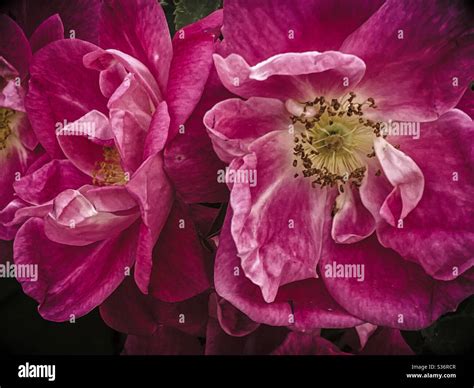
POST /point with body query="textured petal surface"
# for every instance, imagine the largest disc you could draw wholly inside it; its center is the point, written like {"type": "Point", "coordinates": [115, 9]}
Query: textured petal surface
{"type": "Point", "coordinates": [438, 233]}
{"type": "Point", "coordinates": [390, 291]}
{"type": "Point", "coordinates": [407, 46]}
{"type": "Point", "coordinates": [50, 30]}
{"type": "Point", "coordinates": [258, 30]}
{"type": "Point", "coordinates": [301, 76]}
{"type": "Point", "coordinates": [61, 89]}
{"type": "Point", "coordinates": [72, 280]}
{"type": "Point", "coordinates": [139, 29]}
{"type": "Point", "coordinates": [303, 305]}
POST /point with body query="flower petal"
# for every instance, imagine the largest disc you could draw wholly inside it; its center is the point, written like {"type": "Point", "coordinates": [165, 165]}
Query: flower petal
{"type": "Point", "coordinates": [130, 311]}
{"type": "Point", "coordinates": [406, 177]}
{"type": "Point", "coordinates": [193, 47]}
{"type": "Point", "coordinates": [48, 181]}
{"type": "Point", "coordinates": [385, 289]}
{"type": "Point", "coordinates": [438, 233]}
{"type": "Point", "coordinates": [138, 28]}
{"type": "Point", "coordinates": [277, 219]}
{"type": "Point", "coordinates": [352, 221]}
{"type": "Point", "coordinates": [402, 55]}
{"type": "Point", "coordinates": [300, 76]}
{"type": "Point", "coordinates": [72, 280]}
{"type": "Point", "coordinates": [180, 270]}
{"type": "Point", "coordinates": [14, 45]}
{"type": "Point", "coordinates": [234, 124]}
{"type": "Point", "coordinates": [61, 89]}
{"type": "Point", "coordinates": [303, 305]}
{"type": "Point", "coordinates": [190, 161]}
{"type": "Point", "coordinates": [294, 26]}
{"type": "Point", "coordinates": [152, 190]}
{"type": "Point", "coordinates": [50, 30]}
{"type": "Point", "coordinates": [75, 221]}
{"type": "Point", "coordinates": [80, 17]}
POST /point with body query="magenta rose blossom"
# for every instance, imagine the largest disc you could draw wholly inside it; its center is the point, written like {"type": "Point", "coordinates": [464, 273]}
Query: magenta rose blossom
{"type": "Point", "coordinates": [349, 166]}
{"type": "Point", "coordinates": [104, 115]}
{"type": "Point", "coordinates": [17, 140]}
{"type": "Point", "coordinates": [35, 25]}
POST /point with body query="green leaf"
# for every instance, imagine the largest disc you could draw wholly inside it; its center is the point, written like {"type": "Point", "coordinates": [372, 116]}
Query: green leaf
{"type": "Point", "coordinates": [189, 11]}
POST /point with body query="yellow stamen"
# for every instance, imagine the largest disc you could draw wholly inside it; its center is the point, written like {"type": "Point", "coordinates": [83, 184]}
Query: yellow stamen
{"type": "Point", "coordinates": [6, 116]}
{"type": "Point", "coordinates": [331, 144]}
{"type": "Point", "coordinates": [109, 171]}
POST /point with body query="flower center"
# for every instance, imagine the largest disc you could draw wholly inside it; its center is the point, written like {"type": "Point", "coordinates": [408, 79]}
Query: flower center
{"type": "Point", "coordinates": [6, 116]}
{"type": "Point", "coordinates": [109, 171]}
{"type": "Point", "coordinates": [332, 139]}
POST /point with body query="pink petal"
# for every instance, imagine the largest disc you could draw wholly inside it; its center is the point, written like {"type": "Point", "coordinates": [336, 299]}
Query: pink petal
{"type": "Point", "coordinates": [129, 137]}
{"type": "Point", "coordinates": [107, 59]}
{"type": "Point", "coordinates": [111, 78]}
{"type": "Point", "coordinates": [386, 341]}
{"type": "Point", "coordinates": [258, 30]}
{"type": "Point", "coordinates": [260, 342]}
{"type": "Point", "coordinates": [72, 280]}
{"type": "Point", "coordinates": [193, 47]}
{"type": "Point", "coordinates": [61, 89]}
{"type": "Point", "coordinates": [300, 76]}
{"type": "Point", "coordinates": [7, 215]}
{"type": "Point", "coordinates": [50, 30]}
{"type": "Point", "coordinates": [233, 321]}
{"type": "Point", "coordinates": [128, 310]}
{"type": "Point", "coordinates": [190, 160]}
{"type": "Point", "coordinates": [392, 292]}
{"type": "Point", "coordinates": [234, 124]}
{"type": "Point", "coordinates": [433, 56]}
{"type": "Point", "coordinates": [406, 178]}
{"type": "Point", "coordinates": [180, 270]}
{"type": "Point", "coordinates": [75, 221]}
{"type": "Point", "coordinates": [14, 45]}
{"type": "Point", "coordinates": [83, 141]}
{"type": "Point", "coordinates": [307, 303]}
{"type": "Point", "coordinates": [158, 132]}
{"type": "Point", "coordinates": [438, 233]}
{"type": "Point", "coordinates": [307, 344]}
{"type": "Point", "coordinates": [151, 189]}
{"type": "Point", "coordinates": [352, 221]}
{"type": "Point", "coordinates": [48, 181]}
{"type": "Point", "coordinates": [278, 220]}
{"type": "Point", "coordinates": [109, 198]}
{"type": "Point", "coordinates": [138, 28]}
{"type": "Point", "coordinates": [80, 16]}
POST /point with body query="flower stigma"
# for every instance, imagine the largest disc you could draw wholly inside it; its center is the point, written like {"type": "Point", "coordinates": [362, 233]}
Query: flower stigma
{"type": "Point", "coordinates": [332, 139]}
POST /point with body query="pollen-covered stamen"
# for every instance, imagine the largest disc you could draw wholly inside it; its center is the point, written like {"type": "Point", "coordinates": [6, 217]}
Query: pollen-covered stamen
{"type": "Point", "coordinates": [6, 116]}
{"type": "Point", "coordinates": [332, 139]}
{"type": "Point", "coordinates": [109, 171]}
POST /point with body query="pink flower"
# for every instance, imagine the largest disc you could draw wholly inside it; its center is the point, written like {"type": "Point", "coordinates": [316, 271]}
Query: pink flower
{"type": "Point", "coordinates": [40, 24]}
{"type": "Point", "coordinates": [332, 223]}
{"type": "Point", "coordinates": [104, 115]}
